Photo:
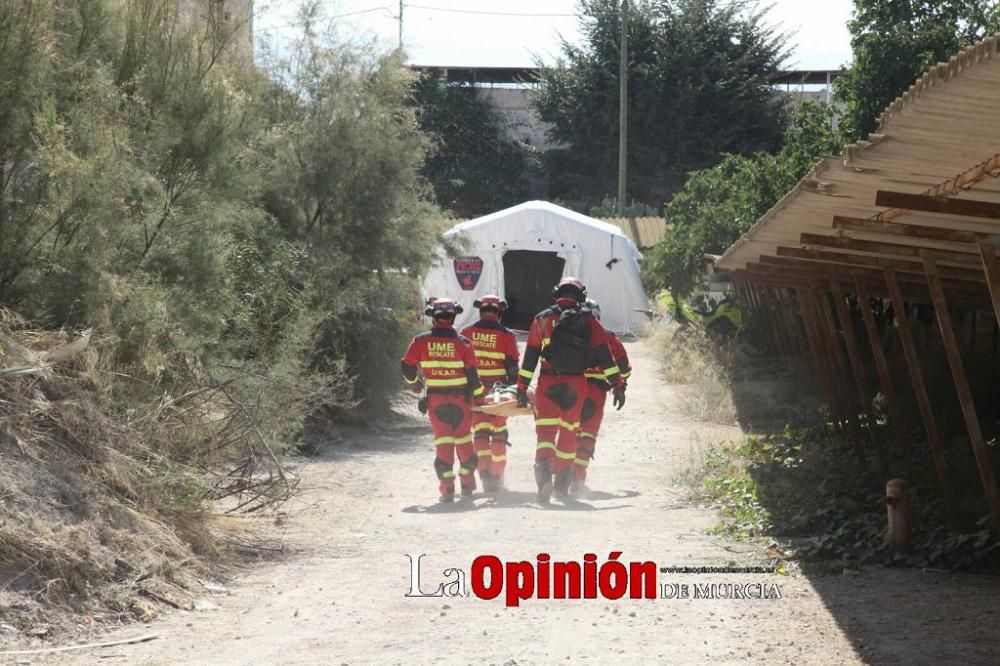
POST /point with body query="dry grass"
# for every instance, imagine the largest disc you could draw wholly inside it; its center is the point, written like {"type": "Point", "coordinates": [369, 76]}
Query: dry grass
{"type": "Point", "coordinates": [690, 358]}
{"type": "Point", "coordinates": [107, 485]}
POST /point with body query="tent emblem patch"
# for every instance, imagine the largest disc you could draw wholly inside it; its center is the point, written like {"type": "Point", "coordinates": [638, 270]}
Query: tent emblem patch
{"type": "Point", "coordinates": [467, 271]}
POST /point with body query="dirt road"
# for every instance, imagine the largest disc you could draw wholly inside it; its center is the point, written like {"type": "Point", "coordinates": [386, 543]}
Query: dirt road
{"type": "Point", "coordinates": [339, 596]}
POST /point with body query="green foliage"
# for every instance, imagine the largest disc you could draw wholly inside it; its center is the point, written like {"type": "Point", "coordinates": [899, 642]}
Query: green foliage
{"type": "Point", "coordinates": [608, 207]}
{"type": "Point", "coordinates": [718, 204]}
{"type": "Point", "coordinates": [699, 73]}
{"type": "Point", "coordinates": [258, 223]}
{"type": "Point", "coordinates": [797, 486]}
{"type": "Point", "coordinates": [476, 168]}
{"type": "Point", "coordinates": [895, 41]}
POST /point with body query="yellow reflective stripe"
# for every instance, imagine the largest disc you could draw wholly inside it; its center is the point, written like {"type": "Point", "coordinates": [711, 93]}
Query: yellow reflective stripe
{"type": "Point", "coordinates": [565, 455]}
{"type": "Point", "coordinates": [483, 452]}
{"type": "Point", "coordinates": [450, 474]}
{"type": "Point", "coordinates": [463, 471]}
{"type": "Point", "coordinates": [444, 440]}
{"type": "Point", "coordinates": [499, 458]}
{"type": "Point", "coordinates": [458, 381]}
{"type": "Point", "coordinates": [464, 440]}
{"type": "Point", "coordinates": [593, 375]}
{"type": "Point", "coordinates": [492, 372]}
{"type": "Point", "coordinates": [546, 341]}
{"type": "Point", "coordinates": [546, 445]}
{"type": "Point", "coordinates": [411, 381]}
{"type": "Point", "coordinates": [568, 426]}
{"type": "Point", "coordinates": [527, 374]}
{"type": "Point", "coordinates": [499, 428]}
{"type": "Point", "coordinates": [442, 364]}
{"type": "Point", "coordinates": [581, 462]}
{"type": "Point", "coordinates": [587, 435]}
{"type": "Point", "coordinates": [612, 371]}
{"type": "Point", "coordinates": [482, 426]}
{"type": "Point", "coordinates": [546, 422]}
{"type": "Point", "coordinates": [488, 354]}
{"type": "Point", "coordinates": [480, 390]}
{"type": "Point", "coordinates": [626, 375]}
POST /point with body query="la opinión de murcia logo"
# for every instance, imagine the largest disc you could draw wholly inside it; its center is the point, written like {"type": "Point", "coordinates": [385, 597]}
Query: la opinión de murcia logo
{"type": "Point", "coordinates": [489, 578]}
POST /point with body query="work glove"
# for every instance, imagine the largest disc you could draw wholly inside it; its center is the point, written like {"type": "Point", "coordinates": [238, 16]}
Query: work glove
{"type": "Point", "coordinates": [522, 396]}
{"type": "Point", "coordinates": [619, 396]}
{"type": "Point", "coordinates": [422, 404]}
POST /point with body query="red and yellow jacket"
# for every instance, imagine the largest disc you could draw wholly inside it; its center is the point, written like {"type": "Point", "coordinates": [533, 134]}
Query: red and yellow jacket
{"type": "Point", "coordinates": [541, 333]}
{"type": "Point", "coordinates": [446, 361]}
{"type": "Point", "coordinates": [495, 347]}
{"type": "Point", "coordinates": [620, 357]}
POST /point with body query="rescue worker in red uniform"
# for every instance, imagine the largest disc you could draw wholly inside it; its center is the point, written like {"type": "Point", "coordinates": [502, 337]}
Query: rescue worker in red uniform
{"type": "Point", "coordinates": [448, 366]}
{"type": "Point", "coordinates": [497, 358]}
{"type": "Point", "coordinates": [568, 339]}
{"type": "Point", "coordinates": [593, 406]}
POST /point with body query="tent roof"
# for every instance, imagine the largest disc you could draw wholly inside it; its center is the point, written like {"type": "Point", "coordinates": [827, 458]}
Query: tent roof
{"type": "Point", "coordinates": [564, 215]}
{"type": "Point", "coordinates": [940, 138]}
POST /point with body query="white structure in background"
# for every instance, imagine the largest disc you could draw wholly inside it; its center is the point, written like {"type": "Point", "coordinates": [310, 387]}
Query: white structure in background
{"type": "Point", "coordinates": [520, 253]}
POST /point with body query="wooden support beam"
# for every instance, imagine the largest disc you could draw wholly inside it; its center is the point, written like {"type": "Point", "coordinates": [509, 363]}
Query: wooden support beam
{"type": "Point", "coordinates": [808, 312]}
{"type": "Point", "coordinates": [991, 266]}
{"type": "Point", "coordinates": [858, 368]}
{"type": "Point", "coordinates": [914, 265]}
{"type": "Point", "coordinates": [891, 249]}
{"type": "Point", "coordinates": [943, 205]}
{"type": "Point", "coordinates": [920, 389]}
{"type": "Point", "coordinates": [964, 392]}
{"type": "Point", "coordinates": [942, 234]}
{"type": "Point", "coordinates": [840, 373]}
{"type": "Point", "coordinates": [885, 378]}
{"type": "Point", "coordinates": [913, 274]}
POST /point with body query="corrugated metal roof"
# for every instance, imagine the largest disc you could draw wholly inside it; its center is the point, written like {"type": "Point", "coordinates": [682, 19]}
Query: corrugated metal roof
{"type": "Point", "coordinates": [645, 232]}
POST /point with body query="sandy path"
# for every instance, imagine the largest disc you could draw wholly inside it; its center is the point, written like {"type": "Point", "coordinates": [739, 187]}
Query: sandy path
{"type": "Point", "coordinates": [340, 597]}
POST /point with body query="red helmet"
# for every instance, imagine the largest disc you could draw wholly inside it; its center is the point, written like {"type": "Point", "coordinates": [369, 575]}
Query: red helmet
{"type": "Point", "coordinates": [571, 287]}
{"type": "Point", "coordinates": [442, 307]}
{"type": "Point", "coordinates": [490, 301]}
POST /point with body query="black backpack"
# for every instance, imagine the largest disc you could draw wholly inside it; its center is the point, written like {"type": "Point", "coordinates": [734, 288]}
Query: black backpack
{"type": "Point", "coordinates": [568, 351]}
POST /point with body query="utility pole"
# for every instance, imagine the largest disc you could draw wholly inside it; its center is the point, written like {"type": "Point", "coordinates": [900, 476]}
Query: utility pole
{"type": "Point", "coordinates": [400, 25]}
{"type": "Point", "coordinates": [623, 110]}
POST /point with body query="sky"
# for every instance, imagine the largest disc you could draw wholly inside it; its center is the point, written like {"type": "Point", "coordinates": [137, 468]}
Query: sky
{"type": "Point", "coordinates": [456, 34]}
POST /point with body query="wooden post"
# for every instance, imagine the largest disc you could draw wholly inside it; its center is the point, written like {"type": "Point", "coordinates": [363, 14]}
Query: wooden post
{"type": "Point", "coordinates": [840, 373]}
{"type": "Point", "coordinates": [812, 339]}
{"type": "Point", "coordinates": [860, 377]}
{"type": "Point", "coordinates": [897, 506]}
{"type": "Point", "coordinates": [963, 390]}
{"type": "Point", "coordinates": [992, 267]}
{"type": "Point", "coordinates": [920, 388]}
{"type": "Point", "coordinates": [885, 378]}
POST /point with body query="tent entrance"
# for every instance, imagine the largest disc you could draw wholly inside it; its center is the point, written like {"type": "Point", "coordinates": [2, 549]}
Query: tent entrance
{"type": "Point", "coordinates": [528, 280]}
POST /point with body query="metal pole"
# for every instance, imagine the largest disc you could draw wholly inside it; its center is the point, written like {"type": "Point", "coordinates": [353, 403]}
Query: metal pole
{"type": "Point", "coordinates": [622, 109]}
{"type": "Point", "coordinates": [401, 25]}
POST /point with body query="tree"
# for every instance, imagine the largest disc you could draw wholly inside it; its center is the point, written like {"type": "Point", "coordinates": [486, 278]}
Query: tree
{"type": "Point", "coordinates": [895, 41]}
{"type": "Point", "coordinates": [699, 86]}
{"type": "Point", "coordinates": [475, 168]}
{"type": "Point", "coordinates": [718, 204]}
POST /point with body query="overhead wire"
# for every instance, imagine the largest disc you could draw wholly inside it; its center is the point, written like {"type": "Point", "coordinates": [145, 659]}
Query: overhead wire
{"type": "Point", "coordinates": [485, 12]}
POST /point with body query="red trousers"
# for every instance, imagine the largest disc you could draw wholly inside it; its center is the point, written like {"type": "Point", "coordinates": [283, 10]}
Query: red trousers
{"type": "Point", "coordinates": [490, 441]}
{"type": "Point", "coordinates": [590, 424]}
{"type": "Point", "coordinates": [451, 420]}
{"type": "Point", "coordinates": [558, 403]}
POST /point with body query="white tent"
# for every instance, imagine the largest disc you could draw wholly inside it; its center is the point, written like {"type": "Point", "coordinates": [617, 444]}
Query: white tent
{"type": "Point", "coordinates": [521, 252]}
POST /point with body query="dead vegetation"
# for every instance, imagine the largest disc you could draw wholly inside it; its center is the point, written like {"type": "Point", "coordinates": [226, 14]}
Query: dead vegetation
{"type": "Point", "coordinates": [109, 484]}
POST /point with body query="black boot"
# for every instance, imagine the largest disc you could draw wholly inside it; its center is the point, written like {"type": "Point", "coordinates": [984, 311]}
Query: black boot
{"type": "Point", "coordinates": [561, 485]}
{"type": "Point", "coordinates": [543, 477]}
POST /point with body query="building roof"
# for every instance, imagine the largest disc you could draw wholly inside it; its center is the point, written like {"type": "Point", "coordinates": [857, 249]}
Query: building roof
{"type": "Point", "coordinates": [645, 232]}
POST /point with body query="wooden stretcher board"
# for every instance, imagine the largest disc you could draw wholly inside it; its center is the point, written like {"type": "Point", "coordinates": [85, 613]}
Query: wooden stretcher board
{"type": "Point", "coordinates": [505, 408]}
